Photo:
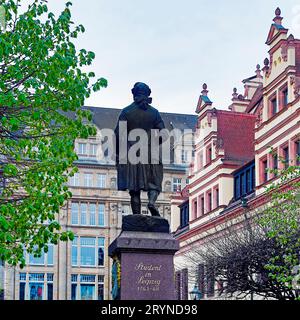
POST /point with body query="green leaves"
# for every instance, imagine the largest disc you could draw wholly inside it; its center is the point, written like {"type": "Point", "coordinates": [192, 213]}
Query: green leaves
{"type": "Point", "coordinates": [280, 219]}
{"type": "Point", "coordinates": [42, 79]}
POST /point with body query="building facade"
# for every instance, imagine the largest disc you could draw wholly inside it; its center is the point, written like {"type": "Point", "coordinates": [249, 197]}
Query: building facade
{"type": "Point", "coordinates": [81, 269]}
{"type": "Point", "coordinates": [234, 152]}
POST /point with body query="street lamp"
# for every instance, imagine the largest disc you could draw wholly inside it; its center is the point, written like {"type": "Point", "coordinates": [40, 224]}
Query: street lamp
{"type": "Point", "coordinates": [195, 293]}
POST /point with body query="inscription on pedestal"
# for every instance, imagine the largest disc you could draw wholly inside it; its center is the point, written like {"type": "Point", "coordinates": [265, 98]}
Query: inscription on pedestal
{"type": "Point", "coordinates": [150, 279]}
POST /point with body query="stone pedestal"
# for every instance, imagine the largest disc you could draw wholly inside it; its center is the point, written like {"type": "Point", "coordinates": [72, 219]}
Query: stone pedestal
{"type": "Point", "coordinates": [146, 262]}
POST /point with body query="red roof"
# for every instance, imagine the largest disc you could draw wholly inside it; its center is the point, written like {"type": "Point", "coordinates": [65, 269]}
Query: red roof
{"type": "Point", "coordinates": [237, 133]}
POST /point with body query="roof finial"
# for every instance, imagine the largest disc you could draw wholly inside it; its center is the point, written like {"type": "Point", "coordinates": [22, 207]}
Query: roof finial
{"type": "Point", "coordinates": [258, 71]}
{"type": "Point", "coordinates": [266, 62]}
{"type": "Point", "coordinates": [204, 92]}
{"type": "Point", "coordinates": [278, 17]}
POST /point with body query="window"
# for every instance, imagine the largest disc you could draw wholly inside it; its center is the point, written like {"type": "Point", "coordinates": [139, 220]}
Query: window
{"type": "Point", "coordinates": [36, 286]}
{"type": "Point", "coordinates": [195, 209]}
{"type": "Point", "coordinates": [176, 184]}
{"type": "Point", "coordinates": [101, 180]}
{"type": "Point", "coordinates": [286, 157]}
{"type": "Point", "coordinates": [284, 97]}
{"type": "Point", "coordinates": [184, 215]}
{"type": "Point", "coordinates": [265, 170]}
{"type": "Point", "coordinates": [88, 251]}
{"type": "Point", "coordinates": [87, 287]}
{"type": "Point", "coordinates": [244, 180]}
{"type": "Point", "coordinates": [202, 205]}
{"type": "Point", "coordinates": [209, 201]}
{"type": "Point", "coordinates": [87, 214]}
{"type": "Point", "coordinates": [92, 208]}
{"type": "Point", "coordinates": [88, 179]}
{"type": "Point", "coordinates": [101, 252]}
{"type": "Point", "coordinates": [82, 148]}
{"type": "Point", "coordinates": [208, 155]}
{"type": "Point", "coordinates": [242, 184]}
{"type": "Point", "coordinates": [101, 215]}
{"type": "Point", "coordinates": [75, 252]}
{"type": "Point", "coordinates": [237, 194]}
{"type": "Point", "coordinates": [44, 259]}
{"type": "Point", "coordinates": [74, 213]}
{"type": "Point", "coordinates": [100, 287]}
{"type": "Point", "coordinates": [216, 196]}
{"type": "Point", "coordinates": [75, 180]}
{"type": "Point", "coordinates": [275, 164]}
{"type": "Point", "coordinates": [93, 149]}
{"type": "Point", "coordinates": [273, 106]}
{"type": "Point", "coordinates": [83, 214]}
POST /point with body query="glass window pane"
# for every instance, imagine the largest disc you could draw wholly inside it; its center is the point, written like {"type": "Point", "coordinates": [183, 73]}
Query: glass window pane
{"type": "Point", "coordinates": [101, 209]}
{"type": "Point", "coordinates": [87, 291]}
{"type": "Point", "coordinates": [74, 213]}
{"type": "Point", "coordinates": [87, 278]}
{"type": "Point", "coordinates": [22, 291]}
{"type": "Point", "coordinates": [74, 277]}
{"type": "Point", "coordinates": [101, 180]}
{"type": "Point", "coordinates": [22, 276]}
{"type": "Point", "coordinates": [50, 255]}
{"type": "Point", "coordinates": [50, 291]}
{"type": "Point", "coordinates": [36, 277]}
{"type": "Point", "coordinates": [36, 291]}
{"type": "Point", "coordinates": [74, 256]}
{"type": "Point", "coordinates": [37, 260]}
{"type": "Point", "coordinates": [87, 256]}
{"type": "Point", "coordinates": [92, 214]}
{"type": "Point", "coordinates": [50, 277]}
{"type": "Point", "coordinates": [83, 211]}
{"type": "Point", "coordinates": [100, 257]}
{"type": "Point", "coordinates": [100, 291]}
{"type": "Point", "coordinates": [85, 241]}
{"type": "Point", "coordinates": [73, 291]}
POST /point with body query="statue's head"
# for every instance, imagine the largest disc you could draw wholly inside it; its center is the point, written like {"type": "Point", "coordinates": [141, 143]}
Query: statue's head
{"type": "Point", "coordinates": [141, 88]}
{"type": "Point", "coordinates": [141, 93]}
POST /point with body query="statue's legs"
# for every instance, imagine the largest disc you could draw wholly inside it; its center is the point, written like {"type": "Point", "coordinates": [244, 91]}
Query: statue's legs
{"type": "Point", "coordinates": [135, 202]}
{"type": "Point", "coordinates": [152, 197]}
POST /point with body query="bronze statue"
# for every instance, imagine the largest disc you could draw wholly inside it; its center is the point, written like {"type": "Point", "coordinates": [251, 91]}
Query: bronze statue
{"type": "Point", "coordinates": [137, 177]}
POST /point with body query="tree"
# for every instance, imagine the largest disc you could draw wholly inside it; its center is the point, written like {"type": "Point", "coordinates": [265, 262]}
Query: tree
{"type": "Point", "coordinates": [281, 221]}
{"type": "Point", "coordinates": [42, 89]}
{"type": "Point", "coordinates": [236, 259]}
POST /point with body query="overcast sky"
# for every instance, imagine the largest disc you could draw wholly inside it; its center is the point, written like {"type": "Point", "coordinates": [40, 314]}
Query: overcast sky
{"type": "Point", "coordinates": [175, 46]}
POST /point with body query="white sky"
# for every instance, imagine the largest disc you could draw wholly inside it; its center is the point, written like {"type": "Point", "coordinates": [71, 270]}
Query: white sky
{"type": "Point", "coordinates": [175, 46]}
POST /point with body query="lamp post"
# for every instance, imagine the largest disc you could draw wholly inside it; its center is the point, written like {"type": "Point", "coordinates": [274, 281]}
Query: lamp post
{"type": "Point", "coordinates": [195, 294]}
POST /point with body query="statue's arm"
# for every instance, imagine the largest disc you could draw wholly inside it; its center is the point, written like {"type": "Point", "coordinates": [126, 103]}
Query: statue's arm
{"type": "Point", "coordinates": [122, 117]}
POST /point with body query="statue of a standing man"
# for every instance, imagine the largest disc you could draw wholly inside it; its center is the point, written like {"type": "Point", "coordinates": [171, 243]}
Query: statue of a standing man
{"type": "Point", "coordinates": [140, 176]}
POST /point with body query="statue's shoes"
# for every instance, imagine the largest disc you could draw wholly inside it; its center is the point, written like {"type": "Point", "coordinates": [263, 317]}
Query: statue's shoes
{"type": "Point", "coordinates": [153, 210]}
